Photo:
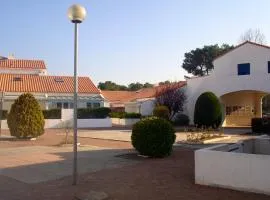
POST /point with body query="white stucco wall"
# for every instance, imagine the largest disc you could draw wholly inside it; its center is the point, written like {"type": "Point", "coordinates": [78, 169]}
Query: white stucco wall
{"type": "Point", "coordinates": [94, 123]}
{"type": "Point", "coordinates": [225, 79]}
{"type": "Point", "coordinates": [143, 106]}
{"type": "Point", "coordinates": [124, 122]}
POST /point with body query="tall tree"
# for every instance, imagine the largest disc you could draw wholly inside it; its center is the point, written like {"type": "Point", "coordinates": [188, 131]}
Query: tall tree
{"type": "Point", "coordinates": [253, 35]}
{"type": "Point", "coordinates": [135, 86]}
{"type": "Point", "coordinates": [109, 85]}
{"type": "Point", "coordinates": [199, 62]}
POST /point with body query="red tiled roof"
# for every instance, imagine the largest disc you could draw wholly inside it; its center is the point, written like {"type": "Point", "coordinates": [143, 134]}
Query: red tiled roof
{"type": "Point", "coordinates": [44, 84]}
{"type": "Point", "coordinates": [246, 42]}
{"type": "Point", "coordinates": [127, 96]}
{"type": "Point", "coordinates": [22, 64]}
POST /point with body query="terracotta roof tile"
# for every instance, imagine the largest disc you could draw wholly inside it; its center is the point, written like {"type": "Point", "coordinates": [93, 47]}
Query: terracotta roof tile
{"type": "Point", "coordinates": [44, 84]}
{"type": "Point", "coordinates": [121, 97]}
{"type": "Point", "coordinates": [22, 64]}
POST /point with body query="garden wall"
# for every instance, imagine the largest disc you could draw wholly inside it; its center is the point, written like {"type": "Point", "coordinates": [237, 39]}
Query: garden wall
{"type": "Point", "coordinates": [217, 166]}
{"type": "Point", "coordinates": [124, 122]}
{"type": "Point", "coordinates": [67, 115]}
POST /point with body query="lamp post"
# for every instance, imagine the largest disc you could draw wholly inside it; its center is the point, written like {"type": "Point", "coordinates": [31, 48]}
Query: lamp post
{"type": "Point", "coordinates": [76, 14]}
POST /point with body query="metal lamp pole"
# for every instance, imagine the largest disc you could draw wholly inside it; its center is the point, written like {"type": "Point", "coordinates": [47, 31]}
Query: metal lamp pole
{"type": "Point", "coordinates": [76, 14]}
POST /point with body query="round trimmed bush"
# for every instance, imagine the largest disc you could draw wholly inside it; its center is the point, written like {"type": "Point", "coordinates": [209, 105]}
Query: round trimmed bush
{"type": "Point", "coordinates": [161, 112]}
{"type": "Point", "coordinates": [25, 119]}
{"type": "Point", "coordinates": [153, 137]}
{"type": "Point", "coordinates": [208, 112]}
{"type": "Point", "coordinates": [181, 120]}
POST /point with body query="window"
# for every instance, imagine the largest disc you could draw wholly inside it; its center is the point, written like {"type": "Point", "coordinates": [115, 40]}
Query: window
{"type": "Point", "coordinates": [88, 105]}
{"type": "Point", "coordinates": [59, 105]}
{"type": "Point", "coordinates": [71, 105]}
{"type": "Point", "coordinates": [65, 105]}
{"type": "Point", "coordinates": [244, 69]}
{"type": "Point", "coordinates": [268, 67]}
{"type": "Point", "coordinates": [96, 105]}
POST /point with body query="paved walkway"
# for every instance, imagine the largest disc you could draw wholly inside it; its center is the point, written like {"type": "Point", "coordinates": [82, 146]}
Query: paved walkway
{"type": "Point", "coordinates": [39, 163]}
{"type": "Point", "coordinates": [125, 135]}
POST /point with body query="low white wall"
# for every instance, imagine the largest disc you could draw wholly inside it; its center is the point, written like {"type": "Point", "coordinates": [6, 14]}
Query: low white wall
{"type": "Point", "coordinates": [240, 171]}
{"type": "Point", "coordinates": [94, 123]}
{"type": "Point", "coordinates": [4, 124]}
{"type": "Point", "coordinates": [82, 123]}
{"type": "Point", "coordinates": [53, 123]}
{"type": "Point", "coordinates": [124, 122]}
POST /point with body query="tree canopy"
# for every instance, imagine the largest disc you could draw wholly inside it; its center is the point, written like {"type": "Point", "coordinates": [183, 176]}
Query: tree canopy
{"type": "Point", "coordinates": [109, 85]}
{"type": "Point", "coordinates": [199, 62]}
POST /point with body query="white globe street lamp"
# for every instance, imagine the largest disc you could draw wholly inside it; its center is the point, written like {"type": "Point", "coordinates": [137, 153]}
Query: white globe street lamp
{"type": "Point", "coordinates": [76, 14]}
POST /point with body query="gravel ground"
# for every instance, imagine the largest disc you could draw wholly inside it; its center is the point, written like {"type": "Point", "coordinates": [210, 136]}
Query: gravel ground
{"type": "Point", "coordinates": [157, 179]}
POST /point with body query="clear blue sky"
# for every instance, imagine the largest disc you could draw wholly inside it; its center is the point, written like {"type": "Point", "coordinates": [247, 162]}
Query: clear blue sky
{"type": "Point", "coordinates": [125, 40]}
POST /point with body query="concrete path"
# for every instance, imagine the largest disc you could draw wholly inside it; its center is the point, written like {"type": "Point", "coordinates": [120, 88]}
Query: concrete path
{"type": "Point", "coordinates": [117, 135]}
{"type": "Point", "coordinates": [38, 163]}
{"type": "Point", "coordinates": [125, 135]}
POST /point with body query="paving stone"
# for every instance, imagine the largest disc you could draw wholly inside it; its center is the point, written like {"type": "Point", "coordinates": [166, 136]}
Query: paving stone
{"type": "Point", "coordinates": [93, 195]}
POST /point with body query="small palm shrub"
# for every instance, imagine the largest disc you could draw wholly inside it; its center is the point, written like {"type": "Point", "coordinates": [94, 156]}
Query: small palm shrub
{"type": "Point", "coordinates": [25, 119]}
{"type": "Point", "coordinates": [161, 112]}
{"type": "Point", "coordinates": [153, 137]}
{"type": "Point", "coordinates": [208, 112]}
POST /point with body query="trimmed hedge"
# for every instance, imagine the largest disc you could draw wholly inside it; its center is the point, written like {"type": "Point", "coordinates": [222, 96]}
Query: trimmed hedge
{"type": "Point", "coordinates": [161, 112]}
{"type": "Point", "coordinates": [208, 112]}
{"type": "Point", "coordinates": [260, 125]}
{"type": "Point", "coordinates": [4, 114]}
{"type": "Point", "coordinates": [132, 115]}
{"type": "Point", "coordinates": [97, 113]}
{"type": "Point", "coordinates": [52, 114]}
{"type": "Point", "coordinates": [124, 115]}
{"type": "Point", "coordinates": [25, 119]}
{"type": "Point", "coordinates": [181, 120]}
{"type": "Point", "coordinates": [153, 137]}
{"type": "Point", "coordinates": [120, 115]}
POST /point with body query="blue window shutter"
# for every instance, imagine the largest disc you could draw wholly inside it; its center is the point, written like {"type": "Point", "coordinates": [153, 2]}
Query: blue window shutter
{"type": "Point", "coordinates": [268, 67]}
{"type": "Point", "coordinates": [243, 69]}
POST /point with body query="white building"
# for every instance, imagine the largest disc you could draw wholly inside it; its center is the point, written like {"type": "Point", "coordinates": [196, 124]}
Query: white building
{"type": "Point", "coordinates": [240, 78]}
{"type": "Point", "coordinates": [21, 76]}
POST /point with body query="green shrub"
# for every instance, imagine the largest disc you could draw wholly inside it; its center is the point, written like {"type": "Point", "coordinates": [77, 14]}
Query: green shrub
{"type": "Point", "coordinates": [117, 115]}
{"type": "Point", "coordinates": [181, 120]}
{"type": "Point", "coordinates": [52, 114]}
{"type": "Point", "coordinates": [161, 112]}
{"type": "Point", "coordinates": [208, 111]}
{"type": "Point", "coordinates": [25, 118]}
{"type": "Point", "coordinates": [3, 114]}
{"type": "Point", "coordinates": [132, 115]}
{"type": "Point", "coordinates": [125, 115]}
{"type": "Point", "coordinates": [97, 113]}
{"type": "Point", "coordinates": [153, 137]}
{"type": "Point", "coordinates": [260, 125]}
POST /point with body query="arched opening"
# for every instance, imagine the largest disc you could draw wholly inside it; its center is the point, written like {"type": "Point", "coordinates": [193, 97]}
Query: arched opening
{"type": "Point", "coordinates": [241, 106]}
{"type": "Point", "coordinates": [266, 105]}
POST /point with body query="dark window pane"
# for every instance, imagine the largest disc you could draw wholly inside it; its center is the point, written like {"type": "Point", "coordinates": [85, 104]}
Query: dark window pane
{"type": "Point", "coordinates": [59, 105]}
{"type": "Point", "coordinates": [65, 105]}
{"type": "Point", "coordinates": [96, 105]}
{"type": "Point", "coordinates": [268, 67]}
{"type": "Point", "coordinates": [244, 69]}
{"type": "Point", "coordinates": [71, 105]}
{"type": "Point", "coordinates": [88, 105]}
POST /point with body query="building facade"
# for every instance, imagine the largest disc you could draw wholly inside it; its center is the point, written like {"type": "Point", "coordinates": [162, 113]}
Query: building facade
{"type": "Point", "coordinates": [240, 79]}
{"type": "Point", "coordinates": [22, 76]}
